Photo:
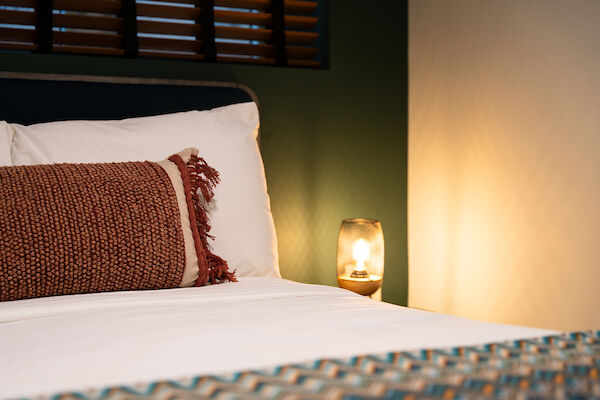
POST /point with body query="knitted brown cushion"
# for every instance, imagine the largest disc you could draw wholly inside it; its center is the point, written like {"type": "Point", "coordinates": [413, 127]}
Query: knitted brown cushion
{"type": "Point", "coordinates": [83, 228]}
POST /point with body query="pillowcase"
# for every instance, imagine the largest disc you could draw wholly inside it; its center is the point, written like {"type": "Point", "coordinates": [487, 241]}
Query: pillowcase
{"type": "Point", "coordinates": [85, 228]}
{"type": "Point", "coordinates": [5, 143]}
{"type": "Point", "coordinates": [240, 215]}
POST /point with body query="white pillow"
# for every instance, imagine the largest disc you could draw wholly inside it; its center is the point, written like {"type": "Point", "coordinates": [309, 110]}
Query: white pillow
{"type": "Point", "coordinates": [6, 134]}
{"type": "Point", "coordinates": [226, 137]}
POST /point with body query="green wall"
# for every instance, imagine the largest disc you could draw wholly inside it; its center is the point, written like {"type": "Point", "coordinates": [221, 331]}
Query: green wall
{"type": "Point", "coordinates": [334, 141]}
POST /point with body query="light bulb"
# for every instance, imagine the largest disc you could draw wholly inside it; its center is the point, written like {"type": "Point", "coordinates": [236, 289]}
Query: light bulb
{"type": "Point", "coordinates": [361, 252]}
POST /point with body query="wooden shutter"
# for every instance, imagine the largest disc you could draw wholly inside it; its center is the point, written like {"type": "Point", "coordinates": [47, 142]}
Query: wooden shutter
{"type": "Point", "coordinates": [259, 25]}
{"type": "Point", "coordinates": [248, 31]}
{"type": "Point", "coordinates": [170, 29]}
{"type": "Point", "coordinates": [87, 26]}
{"type": "Point", "coordinates": [18, 29]}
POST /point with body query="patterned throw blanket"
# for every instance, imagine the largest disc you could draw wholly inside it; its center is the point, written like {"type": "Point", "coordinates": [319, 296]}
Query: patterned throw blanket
{"type": "Point", "coordinates": [562, 367]}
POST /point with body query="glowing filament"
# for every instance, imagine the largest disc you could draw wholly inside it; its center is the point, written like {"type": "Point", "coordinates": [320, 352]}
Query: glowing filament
{"type": "Point", "coordinates": [361, 252]}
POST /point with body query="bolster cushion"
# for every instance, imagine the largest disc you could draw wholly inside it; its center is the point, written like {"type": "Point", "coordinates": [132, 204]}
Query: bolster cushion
{"type": "Point", "coordinates": [85, 228]}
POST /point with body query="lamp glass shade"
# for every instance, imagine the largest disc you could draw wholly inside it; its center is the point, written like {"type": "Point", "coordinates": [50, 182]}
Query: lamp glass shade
{"type": "Point", "coordinates": [360, 255]}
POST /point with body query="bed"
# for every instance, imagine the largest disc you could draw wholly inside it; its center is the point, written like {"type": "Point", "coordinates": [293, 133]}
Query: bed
{"type": "Point", "coordinates": [262, 336]}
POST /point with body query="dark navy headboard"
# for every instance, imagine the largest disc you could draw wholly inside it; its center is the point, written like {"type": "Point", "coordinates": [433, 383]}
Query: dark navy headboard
{"type": "Point", "coordinates": [33, 98]}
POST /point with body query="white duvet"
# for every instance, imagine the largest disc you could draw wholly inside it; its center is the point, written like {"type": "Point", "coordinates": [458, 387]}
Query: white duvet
{"type": "Point", "coordinates": [79, 342]}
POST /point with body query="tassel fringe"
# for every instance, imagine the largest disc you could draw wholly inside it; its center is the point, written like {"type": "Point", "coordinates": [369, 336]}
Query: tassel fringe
{"type": "Point", "coordinates": [204, 178]}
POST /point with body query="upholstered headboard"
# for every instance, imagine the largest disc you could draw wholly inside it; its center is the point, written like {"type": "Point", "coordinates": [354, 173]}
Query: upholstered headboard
{"type": "Point", "coordinates": [32, 98]}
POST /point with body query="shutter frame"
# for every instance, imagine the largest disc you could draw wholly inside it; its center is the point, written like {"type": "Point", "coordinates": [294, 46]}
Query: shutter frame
{"type": "Point", "coordinates": [207, 27]}
{"type": "Point", "coordinates": [129, 27]}
{"type": "Point", "coordinates": [43, 25]}
{"type": "Point", "coordinates": [267, 32]}
{"type": "Point", "coordinates": [279, 40]}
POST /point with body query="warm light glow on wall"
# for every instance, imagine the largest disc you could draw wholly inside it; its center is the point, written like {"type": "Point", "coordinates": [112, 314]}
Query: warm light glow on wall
{"type": "Point", "coordinates": [504, 183]}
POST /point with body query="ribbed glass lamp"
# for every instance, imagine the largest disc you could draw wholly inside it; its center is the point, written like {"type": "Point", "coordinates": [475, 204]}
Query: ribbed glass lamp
{"type": "Point", "coordinates": [360, 255]}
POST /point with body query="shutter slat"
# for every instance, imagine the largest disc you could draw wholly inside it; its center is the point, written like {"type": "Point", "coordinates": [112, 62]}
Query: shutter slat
{"type": "Point", "coordinates": [250, 4]}
{"type": "Point", "coordinates": [95, 6]}
{"type": "Point", "coordinates": [300, 7]}
{"type": "Point", "coordinates": [300, 22]}
{"type": "Point", "coordinates": [265, 50]}
{"type": "Point", "coordinates": [150, 43]}
{"type": "Point", "coordinates": [18, 46]}
{"type": "Point", "coordinates": [291, 6]}
{"type": "Point", "coordinates": [240, 17]}
{"type": "Point", "coordinates": [264, 35]}
{"type": "Point", "coordinates": [88, 39]}
{"type": "Point", "coordinates": [168, 28]}
{"type": "Point", "coordinates": [87, 22]}
{"type": "Point", "coordinates": [188, 2]}
{"type": "Point", "coordinates": [264, 19]}
{"type": "Point", "coordinates": [245, 60]}
{"type": "Point", "coordinates": [87, 50]}
{"type": "Point", "coordinates": [163, 11]}
{"type": "Point", "coordinates": [182, 56]}
{"type": "Point", "coordinates": [230, 32]}
{"type": "Point", "coordinates": [17, 35]}
{"type": "Point", "coordinates": [18, 3]}
{"type": "Point", "coordinates": [298, 37]}
{"type": "Point", "coordinates": [17, 17]}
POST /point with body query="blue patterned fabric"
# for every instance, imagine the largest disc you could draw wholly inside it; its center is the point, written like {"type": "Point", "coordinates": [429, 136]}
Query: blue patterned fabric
{"type": "Point", "coordinates": [561, 367]}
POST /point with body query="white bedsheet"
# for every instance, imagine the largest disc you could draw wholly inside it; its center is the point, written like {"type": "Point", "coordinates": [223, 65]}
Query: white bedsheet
{"type": "Point", "coordinates": [86, 341]}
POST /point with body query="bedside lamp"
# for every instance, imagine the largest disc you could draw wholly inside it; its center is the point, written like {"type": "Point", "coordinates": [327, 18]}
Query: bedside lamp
{"type": "Point", "coordinates": [360, 255]}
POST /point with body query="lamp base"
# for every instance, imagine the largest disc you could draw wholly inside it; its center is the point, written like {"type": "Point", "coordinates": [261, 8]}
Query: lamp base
{"type": "Point", "coordinates": [365, 286]}
{"type": "Point", "coordinates": [359, 274]}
